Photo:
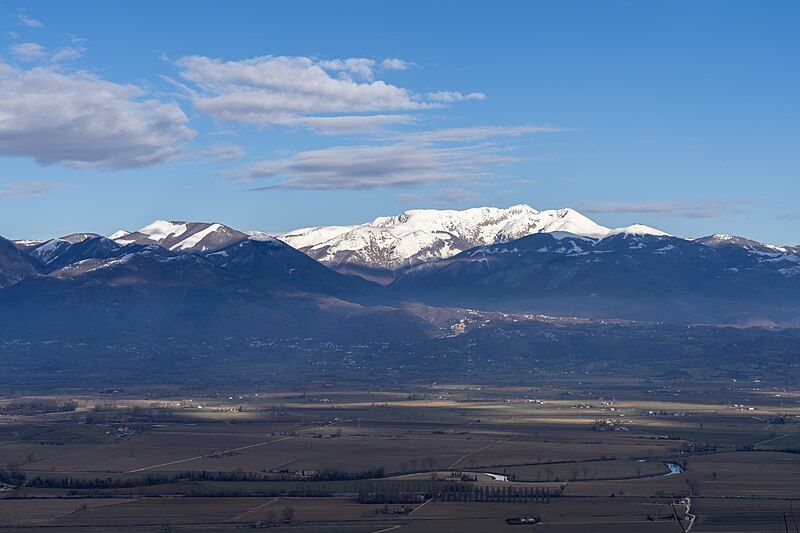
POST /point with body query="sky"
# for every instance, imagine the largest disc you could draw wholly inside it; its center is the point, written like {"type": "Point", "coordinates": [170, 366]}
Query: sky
{"type": "Point", "coordinates": [271, 116]}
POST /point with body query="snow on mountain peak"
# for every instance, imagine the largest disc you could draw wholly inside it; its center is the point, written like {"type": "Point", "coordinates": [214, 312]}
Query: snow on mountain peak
{"type": "Point", "coordinates": [160, 230]}
{"type": "Point", "coordinates": [419, 235]}
{"type": "Point", "coordinates": [718, 239]}
{"type": "Point", "coordinates": [638, 229]}
{"type": "Point", "coordinates": [388, 243]}
{"type": "Point", "coordinates": [184, 236]}
{"type": "Point", "coordinates": [180, 236]}
{"type": "Point", "coordinates": [261, 236]}
{"type": "Point", "coordinates": [195, 238]}
{"type": "Point", "coordinates": [569, 221]}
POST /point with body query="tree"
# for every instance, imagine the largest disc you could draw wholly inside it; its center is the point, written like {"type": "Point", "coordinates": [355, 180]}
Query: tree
{"type": "Point", "coordinates": [12, 474]}
{"type": "Point", "coordinates": [288, 514]}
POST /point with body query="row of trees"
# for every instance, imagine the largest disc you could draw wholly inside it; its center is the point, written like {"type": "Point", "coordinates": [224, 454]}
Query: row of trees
{"type": "Point", "coordinates": [36, 407]}
{"type": "Point", "coordinates": [13, 472]}
{"type": "Point", "coordinates": [465, 492]}
{"type": "Point", "coordinates": [461, 492]}
{"type": "Point", "coordinates": [64, 482]}
{"type": "Point", "coordinates": [385, 496]}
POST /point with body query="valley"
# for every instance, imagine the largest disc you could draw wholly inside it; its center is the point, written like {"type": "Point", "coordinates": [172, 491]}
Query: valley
{"type": "Point", "coordinates": [447, 457]}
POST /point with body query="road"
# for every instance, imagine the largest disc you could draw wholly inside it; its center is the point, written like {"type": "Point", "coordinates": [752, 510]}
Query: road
{"type": "Point", "coordinates": [232, 450]}
{"type": "Point", "coordinates": [478, 451]}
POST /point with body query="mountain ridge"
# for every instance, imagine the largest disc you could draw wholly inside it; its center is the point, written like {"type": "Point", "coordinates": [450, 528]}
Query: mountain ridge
{"type": "Point", "coordinates": [530, 264]}
{"type": "Point", "coordinates": [626, 275]}
{"type": "Point", "coordinates": [380, 248]}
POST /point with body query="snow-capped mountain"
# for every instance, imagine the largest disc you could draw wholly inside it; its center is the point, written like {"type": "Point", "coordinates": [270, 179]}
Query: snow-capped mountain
{"type": "Point", "coordinates": [556, 262]}
{"type": "Point", "coordinates": [637, 229]}
{"type": "Point", "coordinates": [181, 236]}
{"type": "Point", "coordinates": [379, 248]}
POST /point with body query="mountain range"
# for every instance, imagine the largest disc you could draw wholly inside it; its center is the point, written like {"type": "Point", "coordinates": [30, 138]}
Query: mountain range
{"type": "Point", "coordinates": [88, 286]}
{"type": "Point", "coordinates": [637, 276]}
{"type": "Point", "coordinates": [380, 249]}
{"type": "Point", "coordinates": [205, 280]}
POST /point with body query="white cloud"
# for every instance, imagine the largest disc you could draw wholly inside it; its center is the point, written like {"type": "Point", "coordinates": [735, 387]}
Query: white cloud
{"type": "Point", "coordinates": [35, 52]}
{"type": "Point", "coordinates": [68, 52]}
{"type": "Point", "coordinates": [453, 96]}
{"type": "Point", "coordinates": [371, 167]}
{"type": "Point", "coordinates": [26, 190]}
{"type": "Point", "coordinates": [395, 64]}
{"type": "Point", "coordinates": [78, 119]}
{"type": "Point", "coordinates": [28, 21]}
{"type": "Point", "coordinates": [359, 67]}
{"type": "Point", "coordinates": [428, 157]}
{"type": "Point", "coordinates": [28, 52]}
{"type": "Point", "coordinates": [352, 123]}
{"type": "Point", "coordinates": [331, 95]}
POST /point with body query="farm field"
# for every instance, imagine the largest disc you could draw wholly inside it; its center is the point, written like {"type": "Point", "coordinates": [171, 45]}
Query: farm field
{"type": "Point", "coordinates": [436, 458]}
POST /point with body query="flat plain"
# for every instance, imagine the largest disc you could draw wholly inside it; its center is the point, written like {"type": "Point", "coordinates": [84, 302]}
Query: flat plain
{"type": "Point", "coordinates": [612, 455]}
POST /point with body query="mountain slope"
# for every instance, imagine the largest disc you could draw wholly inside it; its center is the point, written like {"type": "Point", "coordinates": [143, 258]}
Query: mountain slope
{"type": "Point", "coordinates": [626, 275]}
{"type": "Point", "coordinates": [64, 251]}
{"type": "Point", "coordinates": [251, 289]}
{"type": "Point", "coordinates": [14, 264]}
{"type": "Point", "coordinates": [265, 263]}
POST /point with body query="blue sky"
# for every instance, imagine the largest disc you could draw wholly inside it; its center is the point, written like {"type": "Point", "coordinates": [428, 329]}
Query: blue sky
{"type": "Point", "coordinates": [265, 115]}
